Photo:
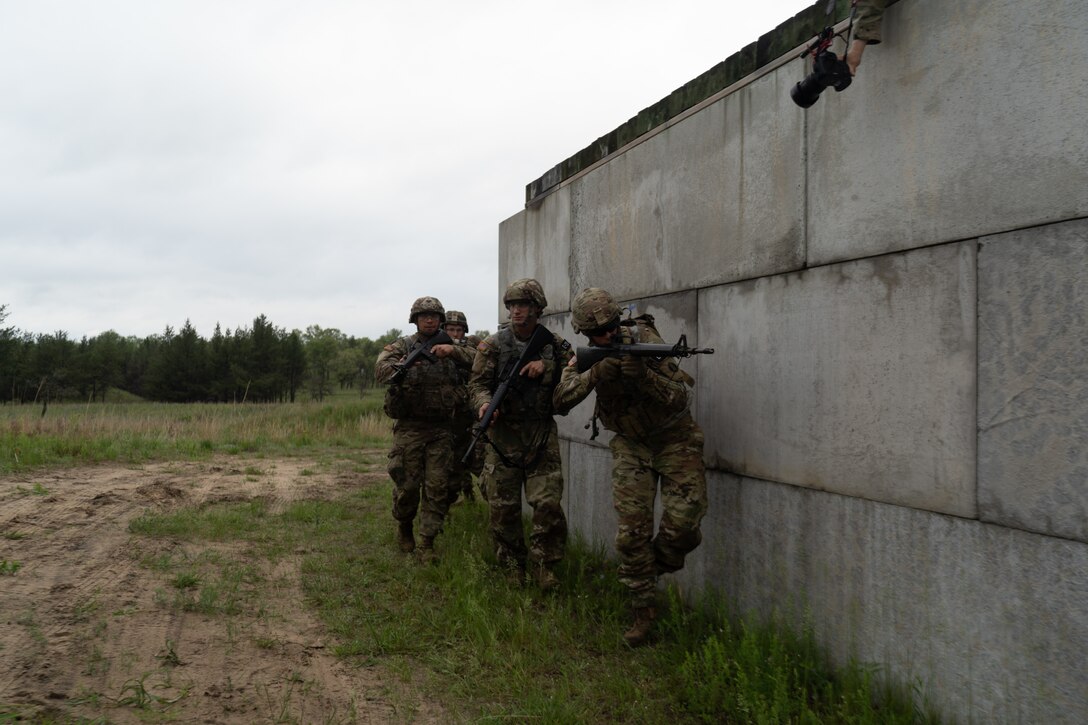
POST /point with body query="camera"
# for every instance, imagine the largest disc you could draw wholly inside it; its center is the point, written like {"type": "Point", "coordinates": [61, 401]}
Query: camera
{"type": "Point", "coordinates": [827, 70]}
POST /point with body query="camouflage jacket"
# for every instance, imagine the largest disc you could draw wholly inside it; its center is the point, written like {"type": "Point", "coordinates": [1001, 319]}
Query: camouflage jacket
{"type": "Point", "coordinates": [430, 391]}
{"type": "Point", "coordinates": [464, 366]}
{"type": "Point", "coordinates": [529, 398]}
{"type": "Point", "coordinates": [642, 409]}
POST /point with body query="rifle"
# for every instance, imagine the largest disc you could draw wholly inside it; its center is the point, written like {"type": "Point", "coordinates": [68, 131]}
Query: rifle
{"type": "Point", "coordinates": [590, 356]}
{"type": "Point", "coordinates": [422, 349]}
{"type": "Point", "coordinates": [540, 339]}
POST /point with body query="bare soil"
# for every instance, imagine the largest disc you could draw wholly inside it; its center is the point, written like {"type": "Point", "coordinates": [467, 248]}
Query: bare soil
{"type": "Point", "coordinates": [89, 630]}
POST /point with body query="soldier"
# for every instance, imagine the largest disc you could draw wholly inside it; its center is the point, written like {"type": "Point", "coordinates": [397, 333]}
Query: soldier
{"type": "Point", "coordinates": [456, 326]}
{"type": "Point", "coordinates": [524, 446]}
{"type": "Point", "coordinates": [647, 403]}
{"type": "Point", "coordinates": [423, 404]}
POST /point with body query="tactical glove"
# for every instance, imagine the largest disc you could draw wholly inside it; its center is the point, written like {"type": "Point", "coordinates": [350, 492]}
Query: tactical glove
{"type": "Point", "coordinates": [607, 369]}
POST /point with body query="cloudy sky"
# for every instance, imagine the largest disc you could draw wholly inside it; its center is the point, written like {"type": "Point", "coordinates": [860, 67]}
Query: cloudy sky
{"type": "Point", "coordinates": [318, 162]}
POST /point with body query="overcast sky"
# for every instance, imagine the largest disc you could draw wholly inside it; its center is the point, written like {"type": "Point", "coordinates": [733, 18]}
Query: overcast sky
{"type": "Point", "coordinates": [318, 162]}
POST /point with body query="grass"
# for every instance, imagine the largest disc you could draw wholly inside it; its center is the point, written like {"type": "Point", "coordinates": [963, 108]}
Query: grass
{"type": "Point", "coordinates": [457, 634]}
{"type": "Point", "coordinates": [80, 433]}
{"type": "Point", "coordinates": [8, 568]}
{"type": "Point", "coordinates": [490, 651]}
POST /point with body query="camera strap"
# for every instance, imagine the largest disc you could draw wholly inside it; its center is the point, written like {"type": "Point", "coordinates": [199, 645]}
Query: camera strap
{"type": "Point", "coordinates": [850, 27]}
{"type": "Point", "coordinates": [827, 35]}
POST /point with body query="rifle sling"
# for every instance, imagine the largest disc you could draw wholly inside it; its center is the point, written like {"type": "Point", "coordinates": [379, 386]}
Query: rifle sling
{"type": "Point", "coordinates": [531, 463]}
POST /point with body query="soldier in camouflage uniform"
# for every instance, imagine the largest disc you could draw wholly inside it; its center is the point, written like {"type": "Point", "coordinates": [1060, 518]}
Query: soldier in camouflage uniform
{"type": "Point", "coordinates": [456, 326]}
{"type": "Point", "coordinates": [647, 403]}
{"type": "Point", "coordinates": [423, 405]}
{"type": "Point", "coordinates": [867, 31]}
{"type": "Point", "coordinates": [524, 441]}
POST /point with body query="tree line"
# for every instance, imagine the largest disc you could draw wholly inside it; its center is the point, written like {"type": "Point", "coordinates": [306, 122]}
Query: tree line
{"type": "Point", "coordinates": [261, 363]}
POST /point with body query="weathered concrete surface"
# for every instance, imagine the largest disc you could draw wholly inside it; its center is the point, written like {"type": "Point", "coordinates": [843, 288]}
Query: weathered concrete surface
{"type": "Point", "coordinates": [536, 243]}
{"type": "Point", "coordinates": [857, 378]}
{"type": "Point", "coordinates": [716, 198]}
{"type": "Point", "coordinates": [1033, 379]}
{"type": "Point", "coordinates": [790, 34]}
{"type": "Point", "coordinates": [967, 120]}
{"type": "Point", "coordinates": [993, 620]}
{"type": "Point", "coordinates": [589, 501]}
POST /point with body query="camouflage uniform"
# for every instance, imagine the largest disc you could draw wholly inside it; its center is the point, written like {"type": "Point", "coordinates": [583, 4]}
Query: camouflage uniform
{"type": "Point", "coordinates": [423, 405]}
{"type": "Point", "coordinates": [656, 435]}
{"type": "Point", "coordinates": [867, 20]}
{"type": "Point", "coordinates": [461, 473]}
{"type": "Point", "coordinates": [524, 452]}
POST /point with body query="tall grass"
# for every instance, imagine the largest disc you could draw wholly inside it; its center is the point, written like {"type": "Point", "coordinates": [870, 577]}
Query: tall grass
{"type": "Point", "coordinates": [78, 433]}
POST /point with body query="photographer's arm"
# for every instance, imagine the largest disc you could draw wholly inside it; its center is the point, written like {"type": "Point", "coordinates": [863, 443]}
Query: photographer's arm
{"type": "Point", "coordinates": [867, 31]}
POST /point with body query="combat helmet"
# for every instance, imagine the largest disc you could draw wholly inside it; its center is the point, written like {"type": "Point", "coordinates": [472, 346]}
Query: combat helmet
{"type": "Point", "coordinates": [454, 317]}
{"type": "Point", "coordinates": [593, 309]}
{"type": "Point", "coordinates": [525, 289]}
{"type": "Point", "coordinates": [427, 304]}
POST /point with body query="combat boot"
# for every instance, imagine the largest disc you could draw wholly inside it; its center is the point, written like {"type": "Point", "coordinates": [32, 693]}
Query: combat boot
{"type": "Point", "coordinates": [426, 550]}
{"type": "Point", "coordinates": [406, 540]}
{"type": "Point", "coordinates": [640, 629]}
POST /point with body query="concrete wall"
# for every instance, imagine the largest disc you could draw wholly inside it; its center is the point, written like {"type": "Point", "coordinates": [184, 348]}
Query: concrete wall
{"type": "Point", "coordinates": [895, 282]}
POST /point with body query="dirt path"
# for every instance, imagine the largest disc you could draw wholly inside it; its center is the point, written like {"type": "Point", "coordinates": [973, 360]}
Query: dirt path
{"type": "Point", "coordinates": [88, 631]}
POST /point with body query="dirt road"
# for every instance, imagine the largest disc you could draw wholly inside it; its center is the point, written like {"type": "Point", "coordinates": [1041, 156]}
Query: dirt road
{"type": "Point", "coordinates": [89, 631]}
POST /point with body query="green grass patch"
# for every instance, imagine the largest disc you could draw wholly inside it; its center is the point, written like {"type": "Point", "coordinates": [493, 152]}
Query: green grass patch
{"type": "Point", "coordinates": [491, 650]}
{"type": "Point", "coordinates": [219, 522]}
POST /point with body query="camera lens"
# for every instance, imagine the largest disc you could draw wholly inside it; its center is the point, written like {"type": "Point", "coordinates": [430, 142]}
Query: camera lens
{"type": "Point", "coordinates": [807, 91]}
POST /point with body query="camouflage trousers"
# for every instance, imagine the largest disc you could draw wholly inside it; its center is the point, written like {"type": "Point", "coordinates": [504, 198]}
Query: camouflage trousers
{"type": "Point", "coordinates": [461, 473]}
{"type": "Point", "coordinates": [867, 22]}
{"type": "Point", "coordinates": [678, 459]}
{"type": "Point", "coordinates": [543, 486]}
{"type": "Point", "coordinates": [419, 465]}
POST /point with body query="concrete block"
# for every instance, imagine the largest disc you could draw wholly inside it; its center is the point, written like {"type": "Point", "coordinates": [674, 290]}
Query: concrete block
{"type": "Point", "coordinates": [967, 120]}
{"type": "Point", "coordinates": [535, 243]}
{"type": "Point", "coordinates": [715, 198]}
{"type": "Point", "coordinates": [994, 620]}
{"type": "Point", "coordinates": [857, 378]}
{"type": "Point", "coordinates": [589, 507]}
{"type": "Point", "coordinates": [1033, 379]}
